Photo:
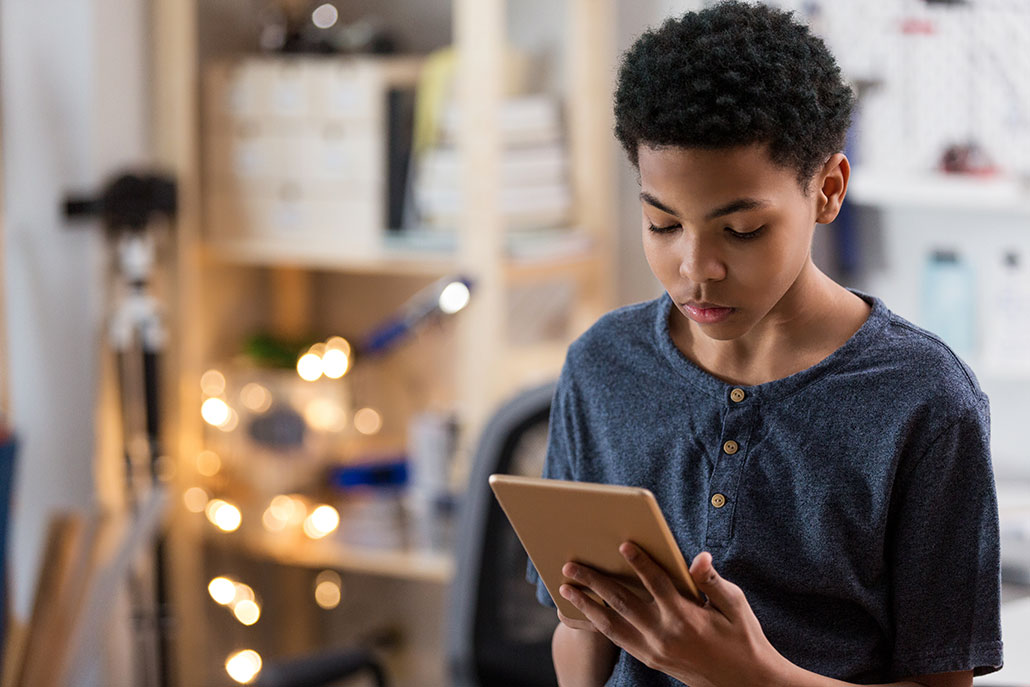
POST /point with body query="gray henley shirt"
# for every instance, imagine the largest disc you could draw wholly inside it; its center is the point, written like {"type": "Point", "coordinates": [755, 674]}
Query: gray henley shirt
{"type": "Point", "coordinates": [853, 502]}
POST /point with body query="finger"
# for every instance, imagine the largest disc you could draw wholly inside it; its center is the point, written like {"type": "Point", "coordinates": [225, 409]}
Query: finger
{"type": "Point", "coordinates": [617, 596]}
{"type": "Point", "coordinates": [727, 597]}
{"type": "Point", "coordinates": [653, 577]}
{"type": "Point", "coordinates": [604, 620]}
{"type": "Point", "coordinates": [576, 624]}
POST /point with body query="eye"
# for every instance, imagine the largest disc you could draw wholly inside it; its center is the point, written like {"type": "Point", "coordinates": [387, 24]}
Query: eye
{"type": "Point", "coordinates": [745, 235]}
{"type": "Point", "coordinates": [663, 230]}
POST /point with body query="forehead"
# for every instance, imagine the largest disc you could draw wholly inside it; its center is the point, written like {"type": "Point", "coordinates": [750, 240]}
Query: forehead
{"type": "Point", "coordinates": [701, 178]}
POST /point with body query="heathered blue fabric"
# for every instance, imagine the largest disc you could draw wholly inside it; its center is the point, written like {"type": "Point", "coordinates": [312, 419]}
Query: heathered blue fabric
{"type": "Point", "coordinates": [860, 519]}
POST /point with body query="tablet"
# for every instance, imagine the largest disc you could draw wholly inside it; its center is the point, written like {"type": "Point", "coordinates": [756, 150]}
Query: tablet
{"type": "Point", "coordinates": [559, 521]}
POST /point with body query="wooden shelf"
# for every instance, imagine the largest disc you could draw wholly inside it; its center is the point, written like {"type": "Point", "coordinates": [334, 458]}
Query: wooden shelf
{"type": "Point", "coordinates": [401, 563]}
{"type": "Point", "coordinates": [427, 263]}
{"type": "Point", "coordinates": [305, 255]}
{"type": "Point", "coordinates": [936, 190]}
{"type": "Point", "coordinates": [215, 294]}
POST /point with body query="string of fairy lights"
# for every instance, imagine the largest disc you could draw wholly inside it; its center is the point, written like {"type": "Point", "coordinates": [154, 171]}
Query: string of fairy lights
{"type": "Point", "coordinates": [296, 515]}
{"type": "Point", "coordinates": [284, 513]}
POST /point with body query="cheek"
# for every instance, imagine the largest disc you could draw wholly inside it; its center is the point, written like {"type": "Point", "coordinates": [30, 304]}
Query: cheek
{"type": "Point", "coordinates": [659, 258]}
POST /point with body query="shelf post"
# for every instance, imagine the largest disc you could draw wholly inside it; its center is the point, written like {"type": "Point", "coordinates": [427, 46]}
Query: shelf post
{"type": "Point", "coordinates": [479, 30]}
{"type": "Point", "coordinates": [591, 67]}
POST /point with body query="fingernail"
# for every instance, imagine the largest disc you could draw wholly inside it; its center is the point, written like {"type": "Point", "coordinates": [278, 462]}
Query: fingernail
{"type": "Point", "coordinates": [565, 591]}
{"type": "Point", "coordinates": [571, 570]}
{"type": "Point", "coordinates": [629, 550]}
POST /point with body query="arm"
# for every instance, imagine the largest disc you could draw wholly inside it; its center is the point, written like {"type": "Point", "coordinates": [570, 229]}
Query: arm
{"type": "Point", "coordinates": [582, 657]}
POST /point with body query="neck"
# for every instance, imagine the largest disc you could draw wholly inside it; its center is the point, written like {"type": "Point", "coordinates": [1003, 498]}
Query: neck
{"type": "Point", "coordinates": [812, 319]}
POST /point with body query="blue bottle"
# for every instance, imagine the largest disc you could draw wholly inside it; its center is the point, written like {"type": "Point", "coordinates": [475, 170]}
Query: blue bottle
{"type": "Point", "coordinates": [949, 301]}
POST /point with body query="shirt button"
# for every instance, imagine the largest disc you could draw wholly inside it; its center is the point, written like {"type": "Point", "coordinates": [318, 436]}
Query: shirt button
{"type": "Point", "coordinates": [718, 500]}
{"type": "Point", "coordinates": [730, 447]}
{"type": "Point", "coordinates": [737, 395]}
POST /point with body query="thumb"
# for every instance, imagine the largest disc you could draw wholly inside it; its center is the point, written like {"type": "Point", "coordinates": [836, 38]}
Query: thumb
{"type": "Point", "coordinates": [725, 596]}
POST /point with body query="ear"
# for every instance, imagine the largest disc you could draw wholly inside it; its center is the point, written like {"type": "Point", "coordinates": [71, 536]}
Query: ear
{"type": "Point", "coordinates": [832, 184]}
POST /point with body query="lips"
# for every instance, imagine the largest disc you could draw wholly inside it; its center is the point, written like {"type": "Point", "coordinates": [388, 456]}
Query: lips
{"type": "Point", "coordinates": [706, 313]}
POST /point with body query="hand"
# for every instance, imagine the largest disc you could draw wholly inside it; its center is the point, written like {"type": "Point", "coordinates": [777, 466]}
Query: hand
{"type": "Point", "coordinates": [719, 644]}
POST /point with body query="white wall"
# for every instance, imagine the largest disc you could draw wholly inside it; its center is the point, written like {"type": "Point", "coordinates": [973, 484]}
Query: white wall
{"type": "Point", "coordinates": [73, 95]}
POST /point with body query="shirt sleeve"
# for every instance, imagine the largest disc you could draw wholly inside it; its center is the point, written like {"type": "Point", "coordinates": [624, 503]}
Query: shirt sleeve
{"type": "Point", "coordinates": [561, 452]}
{"type": "Point", "coordinates": [944, 557]}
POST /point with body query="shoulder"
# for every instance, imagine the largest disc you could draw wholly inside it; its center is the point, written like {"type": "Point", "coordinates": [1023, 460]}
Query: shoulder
{"type": "Point", "coordinates": [624, 334]}
{"type": "Point", "coordinates": [912, 367]}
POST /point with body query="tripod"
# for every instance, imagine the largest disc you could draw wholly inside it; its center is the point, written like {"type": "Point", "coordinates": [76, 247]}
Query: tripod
{"type": "Point", "coordinates": [128, 207]}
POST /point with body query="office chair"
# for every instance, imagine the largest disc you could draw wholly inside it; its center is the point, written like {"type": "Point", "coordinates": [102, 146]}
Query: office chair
{"type": "Point", "coordinates": [498, 634]}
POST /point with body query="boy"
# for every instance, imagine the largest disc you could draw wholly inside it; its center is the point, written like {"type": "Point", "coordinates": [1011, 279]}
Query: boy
{"type": "Point", "coordinates": [827, 461]}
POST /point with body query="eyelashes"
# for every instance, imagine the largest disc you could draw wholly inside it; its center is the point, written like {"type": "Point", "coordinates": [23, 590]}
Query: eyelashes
{"type": "Point", "coordinates": [739, 235]}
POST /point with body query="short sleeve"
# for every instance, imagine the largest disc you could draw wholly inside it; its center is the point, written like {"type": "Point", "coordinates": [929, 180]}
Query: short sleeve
{"type": "Point", "coordinates": [561, 454]}
{"type": "Point", "coordinates": [944, 557]}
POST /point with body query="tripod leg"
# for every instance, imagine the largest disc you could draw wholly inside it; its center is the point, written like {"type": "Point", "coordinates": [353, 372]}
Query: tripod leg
{"type": "Point", "coordinates": [136, 447]}
{"type": "Point", "coordinates": [164, 615]}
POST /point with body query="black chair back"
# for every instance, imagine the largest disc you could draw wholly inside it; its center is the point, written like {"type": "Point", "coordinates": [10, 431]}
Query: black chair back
{"type": "Point", "coordinates": [500, 636]}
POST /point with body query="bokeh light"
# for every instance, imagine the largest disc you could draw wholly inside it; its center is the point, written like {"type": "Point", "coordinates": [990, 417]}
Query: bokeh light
{"type": "Point", "coordinates": [325, 415]}
{"type": "Point", "coordinates": [212, 383]}
{"type": "Point", "coordinates": [208, 463]}
{"type": "Point", "coordinates": [223, 515]}
{"type": "Point", "coordinates": [328, 589]}
{"type": "Point", "coordinates": [255, 398]}
{"type": "Point", "coordinates": [243, 666]}
{"type": "Point", "coordinates": [215, 412]}
{"type": "Point", "coordinates": [247, 612]}
{"type": "Point", "coordinates": [195, 499]}
{"type": "Point", "coordinates": [325, 16]}
{"type": "Point", "coordinates": [368, 421]}
{"type": "Point", "coordinates": [309, 367]}
{"type": "Point", "coordinates": [321, 522]}
{"type": "Point", "coordinates": [454, 297]}
{"type": "Point", "coordinates": [222, 590]}
{"type": "Point", "coordinates": [335, 363]}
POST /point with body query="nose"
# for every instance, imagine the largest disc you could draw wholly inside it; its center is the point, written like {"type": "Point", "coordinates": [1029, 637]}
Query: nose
{"type": "Point", "coordinates": [700, 259]}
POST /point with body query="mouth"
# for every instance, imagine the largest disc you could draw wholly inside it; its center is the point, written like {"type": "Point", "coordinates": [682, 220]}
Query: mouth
{"type": "Point", "coordinates": [706, 313]}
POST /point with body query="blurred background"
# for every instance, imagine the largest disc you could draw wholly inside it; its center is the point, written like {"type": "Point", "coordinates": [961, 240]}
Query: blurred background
{"type": "Point", "coordinates": [270, 267]}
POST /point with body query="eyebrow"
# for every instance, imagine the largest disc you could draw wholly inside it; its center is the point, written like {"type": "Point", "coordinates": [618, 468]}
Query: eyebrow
{"type": "Point", "coordinates": [738, 205]}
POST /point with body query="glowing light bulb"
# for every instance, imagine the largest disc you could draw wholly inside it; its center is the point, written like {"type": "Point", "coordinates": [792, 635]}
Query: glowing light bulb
{"type": "Point", "coordinates": [321, 522]}
{"type": "Point", "coordinates": [247, 612]}
{"type": "Point", "coordinates": [195, 499]}
{"type": "Point", "coordinates": [222, 590]}
{"type": "Point", "coordinates": [223, 515]}
{"type": "Point", "coordinates": [212, 383]}
{"type": "Point", "coordinates": [309, 367]}
{"type": "Point", "coordinates": [208, 463]}
{"type": "Point", "coordinates": [215, 412]}
{"type": "Point", "coordinates": [328, 590]}
{"type": "Point", "coordinates": [325, 16]}
{"type": "Point", "coordinates": [454, 297]}
{"type": "Point", "coordinates": [368, 421]}
{"type": "Point", "coordinates": [335, 363]}
{"type": "Point", "coordinates": [243, 666]}
{"type": "Point", "coordinates": [255, 397]}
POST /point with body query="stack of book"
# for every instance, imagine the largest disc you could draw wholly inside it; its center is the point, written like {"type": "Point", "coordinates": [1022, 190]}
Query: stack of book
{"type": "Point", "coordinates": [535, 191]}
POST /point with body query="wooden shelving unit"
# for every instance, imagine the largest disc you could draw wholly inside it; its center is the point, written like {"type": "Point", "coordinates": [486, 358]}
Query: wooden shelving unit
{"type": "Point", "coordinates": [218, 285]}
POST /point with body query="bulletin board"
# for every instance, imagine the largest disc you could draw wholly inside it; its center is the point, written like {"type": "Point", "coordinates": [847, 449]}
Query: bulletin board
{"type": "Point", "coordinates": [932, 74]}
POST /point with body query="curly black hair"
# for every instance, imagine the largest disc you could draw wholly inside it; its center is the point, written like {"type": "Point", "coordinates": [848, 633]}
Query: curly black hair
{"type": "Point", "coordinates": [734, 74]}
